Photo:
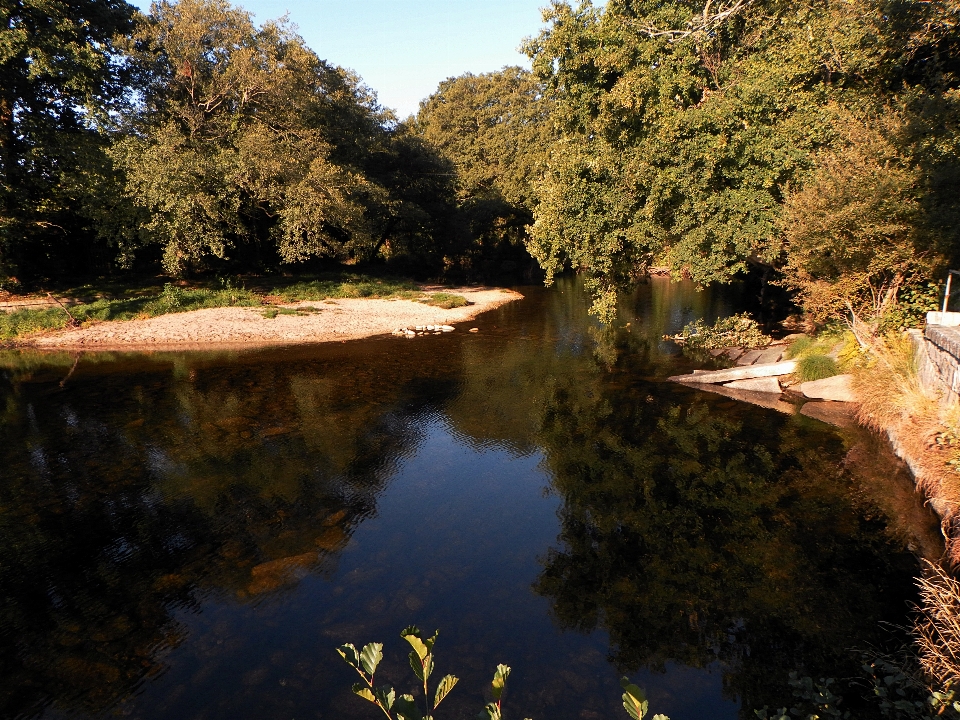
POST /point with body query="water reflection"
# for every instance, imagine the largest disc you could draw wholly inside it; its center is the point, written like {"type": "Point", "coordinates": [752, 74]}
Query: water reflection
{"type": "Point", "coordinates": [190, 534]}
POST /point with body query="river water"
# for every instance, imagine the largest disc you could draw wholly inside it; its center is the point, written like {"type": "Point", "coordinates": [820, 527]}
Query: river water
{"type": "Point", "coordinates": [190, 535]}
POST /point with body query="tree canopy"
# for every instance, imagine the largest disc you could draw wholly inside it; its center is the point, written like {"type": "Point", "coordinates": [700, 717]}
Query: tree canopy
{"type": "Point", "coordinates": [686, 127]}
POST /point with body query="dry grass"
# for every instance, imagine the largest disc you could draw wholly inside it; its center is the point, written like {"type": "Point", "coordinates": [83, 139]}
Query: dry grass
{"type": "Point", "coordinates": [937, 630]}
{"type": "Point", "coordinates": [892, 400]}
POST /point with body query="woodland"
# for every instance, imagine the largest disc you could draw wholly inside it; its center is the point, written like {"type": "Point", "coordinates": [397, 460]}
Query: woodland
{"type": "Point", "coordinates": [813, 145]}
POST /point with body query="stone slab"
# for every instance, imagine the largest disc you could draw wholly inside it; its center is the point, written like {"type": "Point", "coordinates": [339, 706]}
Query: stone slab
{"type": "Point", "coordinates": [750, 357]}
{"type": "Point", "coordinates": [739, 373]}
{"type": "Point", "coordinates": [761, 384]}
{"type": "Point", "coordinates": [733, 353]}
{"type": "Point", "coordinates": [771, 354]}
{"type": "Point", "coordinates": [836, 388]}
{"type": "Point", "coordinates": [834, 413]}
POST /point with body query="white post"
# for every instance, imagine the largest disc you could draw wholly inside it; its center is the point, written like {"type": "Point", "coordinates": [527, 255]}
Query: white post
{"type": "Point", "coordinates": [946, 293]}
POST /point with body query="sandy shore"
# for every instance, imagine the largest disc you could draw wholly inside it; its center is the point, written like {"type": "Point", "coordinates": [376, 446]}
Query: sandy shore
{"type": "Point", "coordinates": [341, 319]}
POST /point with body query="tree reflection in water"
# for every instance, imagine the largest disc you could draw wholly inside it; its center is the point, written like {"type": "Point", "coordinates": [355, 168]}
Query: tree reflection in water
{"type": "Point", "coordinates": [692, 530]}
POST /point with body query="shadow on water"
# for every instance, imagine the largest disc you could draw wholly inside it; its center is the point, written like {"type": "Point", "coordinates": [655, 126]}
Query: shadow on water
{"type": "Point", "coordinates": [190, 534]}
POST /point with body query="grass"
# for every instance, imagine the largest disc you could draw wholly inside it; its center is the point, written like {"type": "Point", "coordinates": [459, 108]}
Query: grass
{"type": "Point", "coordinates": [938, 629]}
{"type": "Point", "coordinates": [447, 301]}
{"type": "Point", "coordinates": [349, 286]}
{"type": "Point", "coordinates": [816, 367]}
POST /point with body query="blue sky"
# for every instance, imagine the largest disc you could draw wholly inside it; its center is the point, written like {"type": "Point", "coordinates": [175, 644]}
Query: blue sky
{"type": "Point", "coordinates": [404, 48]}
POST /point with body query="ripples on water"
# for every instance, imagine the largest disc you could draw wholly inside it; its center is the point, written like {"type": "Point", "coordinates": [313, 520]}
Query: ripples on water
{"type": "Point", "coordinates": [190, 535]}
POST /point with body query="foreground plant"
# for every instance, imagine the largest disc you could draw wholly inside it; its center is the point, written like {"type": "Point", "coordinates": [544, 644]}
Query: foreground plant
{"type": "Point", "coordinates": [404, 707]}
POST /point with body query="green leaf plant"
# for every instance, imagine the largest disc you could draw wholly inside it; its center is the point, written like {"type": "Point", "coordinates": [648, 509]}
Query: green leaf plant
{"type": "Point", "coordinates": [404, 707]}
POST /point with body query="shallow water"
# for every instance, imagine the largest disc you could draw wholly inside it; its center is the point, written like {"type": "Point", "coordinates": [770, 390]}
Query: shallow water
{"type": "Point", "coordinates": [190, 535]}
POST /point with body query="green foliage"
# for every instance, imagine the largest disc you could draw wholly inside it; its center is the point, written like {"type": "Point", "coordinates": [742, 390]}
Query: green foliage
{"type": "Point", "coordinates": [816, 367]}
{"type": "Point", "coordinates": [349, 286]}
{"type": "Point", "coordinates": [897, 694]}
{"type": "Point", "coordinates": [715, 137]}
{"type": "Point", "coordinates": [446, 301]}
{"type": "Point", "coordinates": [64, 85]}
{"type": "Point", "coordinates": [738, 330]}
{"type": "Point", "coordinates": [27, 321]}
{"type": "Point", "coordinates": [404, 707]}
{"type": "Point", "coordinates": [494, 130]}
{"type": "Point", "coordinates": [799, 346]}
{"type": "Point", "coordinates": [385, 697]}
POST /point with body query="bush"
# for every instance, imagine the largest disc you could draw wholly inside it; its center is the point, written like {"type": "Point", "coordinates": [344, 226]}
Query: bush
{"type": "Point", "coordinates": [734, 331]}
{"type": "Point", "coordinates": [816, 367]}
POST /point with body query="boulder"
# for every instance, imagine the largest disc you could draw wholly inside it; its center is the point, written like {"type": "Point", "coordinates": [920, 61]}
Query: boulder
{"type": "Point", "coordinates": [836, 388]}
{"type": "Point", "coordinates": [764, 385]}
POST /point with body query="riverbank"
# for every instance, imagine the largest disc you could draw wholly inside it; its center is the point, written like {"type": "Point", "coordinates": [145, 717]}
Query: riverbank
{"type": "Point", "coordinates": [276, 324]}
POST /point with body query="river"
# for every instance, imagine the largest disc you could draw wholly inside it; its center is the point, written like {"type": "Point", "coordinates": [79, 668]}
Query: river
{"type": "Point", "coordinates": [190, 535]}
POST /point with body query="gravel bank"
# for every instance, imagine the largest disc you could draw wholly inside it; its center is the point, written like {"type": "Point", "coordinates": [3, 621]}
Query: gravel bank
{"type": "Point", "coordinates": [340, 319]}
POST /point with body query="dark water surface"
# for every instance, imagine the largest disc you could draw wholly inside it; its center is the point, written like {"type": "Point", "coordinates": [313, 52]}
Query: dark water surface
{"type": "Point", "coordinates": [189, 535]}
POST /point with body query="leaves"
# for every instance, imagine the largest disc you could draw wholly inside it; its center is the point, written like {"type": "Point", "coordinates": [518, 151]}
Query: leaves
{"type": "Point", "coordinates": [371, 656]}
{"type": "Point", "coordinates": [500, 680]}
{"type": "Point", "coordinates": [349, 653]}
{"type": "Point", "coordinates": [385, 696]}
{"type": "Point", "coordinates": [447, 683]}
{"type": "Point", "coordinates": [364, 692]}
{"type": "Point", "coordinates": [406, 708]}
{"type": "Point", "coordinates": [491, 711]}
{"type": "Point", "coordinates": [634, 699]}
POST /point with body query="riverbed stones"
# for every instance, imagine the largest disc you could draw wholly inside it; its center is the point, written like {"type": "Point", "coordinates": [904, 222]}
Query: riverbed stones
{"type": "Point", "coordinates": [836, 388]}
{"type": "Point", "coordinates": [761, 384]}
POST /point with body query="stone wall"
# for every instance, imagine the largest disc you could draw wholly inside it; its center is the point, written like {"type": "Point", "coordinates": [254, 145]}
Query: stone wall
{"type": "Point", "coordinates": [939, 360]}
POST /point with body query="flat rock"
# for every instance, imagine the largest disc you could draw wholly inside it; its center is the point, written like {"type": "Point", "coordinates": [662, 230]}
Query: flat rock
{"type": "Point", "coordinates": [761, 384]}
{"type": "Point", "coordinates": [738, 373]}
{"type": "Point", "coordinates": [750, 357]}
{"type": "Point", "coordinates": [836, 388]}
{"type": "Point", "coordinates": [733, 353]}
{"type": "Point", "coordinates": [771, 354]}
{"type": "Point", "coordinates": [839, 414]}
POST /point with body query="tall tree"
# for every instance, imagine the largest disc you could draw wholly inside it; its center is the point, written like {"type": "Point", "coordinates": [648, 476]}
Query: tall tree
{"type": "Point", "coordinates": [686, 125]}
{"type": "Point", "coordinates": [62, 82]}
{"type": "Point", "coordinates": [494, 128]}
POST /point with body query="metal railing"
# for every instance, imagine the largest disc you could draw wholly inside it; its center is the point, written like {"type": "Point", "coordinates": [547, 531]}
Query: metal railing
{"type": "Point", "coordinates": [946, 293]}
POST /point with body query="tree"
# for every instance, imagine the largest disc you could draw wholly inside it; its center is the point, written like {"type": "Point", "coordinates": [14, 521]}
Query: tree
{"type": "Point", "coordinates": [684, 127]}
{"type": "Point", "coordinates": [494, 129]}
{"type": "Point", "coordinates": [63, 83]}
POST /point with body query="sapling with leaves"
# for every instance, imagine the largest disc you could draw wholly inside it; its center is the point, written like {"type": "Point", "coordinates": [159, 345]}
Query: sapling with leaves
{"type": "Point", "coordinates": [635, 701]}
{"type": "Point", "coordinates": [404, 707]}
{"type": "Point", "coordinates": [385, 697]}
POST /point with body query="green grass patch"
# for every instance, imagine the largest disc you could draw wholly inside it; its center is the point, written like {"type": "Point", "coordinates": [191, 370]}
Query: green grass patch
{"type": "Point", "coordinates": [447, 301]}
{"type": "Point", "coordinates": [270, 313]}
{"type": "Point", "coordinates": [816, 367]}
{"type": "Point", "coordinates": [349, 286]}
{"type": "Point", "coordinates": [28, 321]}
{"type": "Point", "coordinates": [799, 347]}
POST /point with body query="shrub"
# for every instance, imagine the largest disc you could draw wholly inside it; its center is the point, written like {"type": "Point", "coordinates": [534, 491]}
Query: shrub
{"type": "Point", "coordinates": [816, 367]}
{"type": "Point", "coordinates": [735, 331]}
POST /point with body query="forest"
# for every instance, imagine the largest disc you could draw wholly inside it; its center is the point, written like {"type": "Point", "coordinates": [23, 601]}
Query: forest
{"type": "Point", "coordinates": [812, 145]}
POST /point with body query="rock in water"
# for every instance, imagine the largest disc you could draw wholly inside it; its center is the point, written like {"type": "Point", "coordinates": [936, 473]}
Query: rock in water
{"type": "Point", "coordinates": [447, 328]}
{"type": "Point", "coordinates": [836, 388]}
{"type": "Point", "coordinates": [761, 384]}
